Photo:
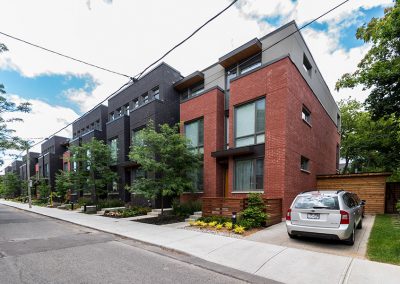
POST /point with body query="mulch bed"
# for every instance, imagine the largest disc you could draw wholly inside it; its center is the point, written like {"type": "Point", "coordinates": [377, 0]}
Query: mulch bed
{"type": "Point", "coordinates": [164, 220]}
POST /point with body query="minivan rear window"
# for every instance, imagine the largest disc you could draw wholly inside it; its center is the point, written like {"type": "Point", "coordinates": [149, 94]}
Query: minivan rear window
{"type": "Point", "coordinates": [317, 202]}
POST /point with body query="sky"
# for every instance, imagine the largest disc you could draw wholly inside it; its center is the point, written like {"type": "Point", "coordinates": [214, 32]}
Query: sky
{"type": "Point", "coordinates": [126, 36]}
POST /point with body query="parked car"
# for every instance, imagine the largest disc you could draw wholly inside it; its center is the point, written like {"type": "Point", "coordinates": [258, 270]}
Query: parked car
{"type": "Point", "coordinates": [331, 214]}
{"type": "Point", "coordinates": [361, 203]}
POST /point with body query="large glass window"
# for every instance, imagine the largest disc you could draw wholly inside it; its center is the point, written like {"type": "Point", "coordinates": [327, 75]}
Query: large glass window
{"type": "Point", "coordinates": [194, 131]}
{"type": "Point", "coordinates": [156, 93]}
{"type": "Point", "coordinates": [249, 175]}
{"type": "Point", "coordinates": [192, 91]}
{"type": "Point", "coordinates": [114, 150]}
{"type": "Point", "coordinates": [250, 123]}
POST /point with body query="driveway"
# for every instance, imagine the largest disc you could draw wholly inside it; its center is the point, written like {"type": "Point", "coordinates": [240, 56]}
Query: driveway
{"type": "Point", "coordinates": [277, 235]}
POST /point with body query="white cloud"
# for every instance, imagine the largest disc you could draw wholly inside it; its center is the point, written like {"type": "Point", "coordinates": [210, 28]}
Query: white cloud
{"type": "Point", "coordinates": [126, 36]}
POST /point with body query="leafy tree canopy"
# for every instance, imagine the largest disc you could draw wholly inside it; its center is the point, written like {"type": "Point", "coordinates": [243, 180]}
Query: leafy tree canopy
{"type": "Point", "coordinates": [166, 158]}
{"type": "Point", "coordinates": [7, 139]}
{"type": "Point", "coordinates": [379, 70]}
{"type": "Point", "coordinates": [92, 160]}
{"type": "Point", "coordinates": [369, 145]}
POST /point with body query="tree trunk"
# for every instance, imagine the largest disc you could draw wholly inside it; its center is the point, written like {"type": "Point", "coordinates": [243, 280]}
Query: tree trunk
{"type": "Point", "coordinates": [162, 204]}
{"type": "Point", "coordinates": [346, 165]}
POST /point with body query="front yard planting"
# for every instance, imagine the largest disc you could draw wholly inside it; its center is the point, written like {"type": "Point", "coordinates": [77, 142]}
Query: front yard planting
{"type": "Point", "coordinates": [384, 241]}
{"type": "Point", "coordinates": [129, 212]}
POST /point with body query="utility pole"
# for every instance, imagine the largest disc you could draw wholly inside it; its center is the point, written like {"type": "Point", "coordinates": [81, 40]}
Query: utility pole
{"type": "Point", "coordinates": [28, 173]}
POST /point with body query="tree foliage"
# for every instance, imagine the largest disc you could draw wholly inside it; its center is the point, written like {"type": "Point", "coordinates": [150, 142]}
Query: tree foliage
{"type": "Point", "coordinates": [370, 145]}
{"type": "Point", "coordinates": [63, 183]}
{"type": "Point", "coordinates": [11, 185]}
{"type": "Point", "coordinates": [7, 139]}
{"type": "Point", "coordinates": [379, 70]}
{"type": "Point", "coordinates": [93, 167]}
{"type": "Point", "coordinates": [166, 159]}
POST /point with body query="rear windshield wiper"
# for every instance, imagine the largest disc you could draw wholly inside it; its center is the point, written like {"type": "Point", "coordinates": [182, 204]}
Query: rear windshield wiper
{"type": "Point", "coordinates": [322, 207]}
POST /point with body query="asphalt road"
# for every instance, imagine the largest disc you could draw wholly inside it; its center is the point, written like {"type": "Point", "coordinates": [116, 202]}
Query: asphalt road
{"type": "Point", "coordinates": [38, 249]}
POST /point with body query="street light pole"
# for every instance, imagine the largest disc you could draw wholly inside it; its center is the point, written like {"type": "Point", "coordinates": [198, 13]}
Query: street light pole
{"type": "Point", "coordinates": [28, 173]}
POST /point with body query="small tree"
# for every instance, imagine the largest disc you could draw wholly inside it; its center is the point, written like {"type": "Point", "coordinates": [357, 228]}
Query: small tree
{"type": "Point", "coordinates": [63, 184]}
{"type": "Point", "coordinates": [43, 188]}
{"type": "Point", "coordinates": [166, 159]}
{"type": "Point", "coordinates": [93, 167]}
{"type": "Point", "coordinates": [12, 185]}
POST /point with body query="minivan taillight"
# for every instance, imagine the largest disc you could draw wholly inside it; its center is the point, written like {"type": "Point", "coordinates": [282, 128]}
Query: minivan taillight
{"type": "Point", "coordinates": [288, 215]}
{"type": "Point", "coordinates": [344, 217]}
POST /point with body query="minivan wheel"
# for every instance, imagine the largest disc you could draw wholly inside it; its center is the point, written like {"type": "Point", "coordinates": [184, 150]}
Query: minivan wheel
{"type": "Point", "coordinates": [359, 226]}
{"type": "Point", "coordinates": [350, 241]}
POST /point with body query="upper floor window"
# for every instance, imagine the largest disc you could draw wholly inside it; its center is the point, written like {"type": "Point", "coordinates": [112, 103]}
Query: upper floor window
{"type": "Point", "coordinates": [192, 91]}
{"type": "Point", "coordinates": [241, 68]}
{"type": "Point", "coordinates": [250, 123]}
{"type": "Point", "coordinates": [194, 131]}
{"type": "Point", "coordinates": [307, 65]}
{"type": "Point", "coordinates": [111, 116]}
{"type": "Point", "coordinates": [306, 115]}
{"type": "Point", "coordinates": [126, 109]}
{"type": "Point", "coordinates": [135, 103]}
{"type": "Point", "coordinates": [156, 93]}
{"type": "Point", "coordinates": [145, 98]}
{"type": "Point", "coordinates": [97, 125]}
{"type": "Point", "coordinates": [114, 150]}
{"type": "Point", "coordinates": [304, 164]}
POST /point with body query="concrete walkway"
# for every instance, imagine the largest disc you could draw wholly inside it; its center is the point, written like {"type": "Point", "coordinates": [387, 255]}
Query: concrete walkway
{"type": "Point", "coordinates": [280, 263]}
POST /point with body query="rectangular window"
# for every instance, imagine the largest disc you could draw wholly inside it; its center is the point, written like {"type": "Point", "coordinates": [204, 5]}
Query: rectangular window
{"type": "Point", "coordinates": [156, 93]}
{"type": "Point", "coordinates": [306, 115]}
{"type": "Point", "coordinates": [250, 123]}
{"type": "Point", "coordinates": [307, 65]}
{"type": "Point", "coordinates": [192, 91]}
{"type": "Point", "coordinates": [114, 150]}
{"type": "Point", "coordinates": [126, 109]}
{"type": "Point", "coordinates": [135, 139]}
{"type": "Point", "coordinates": [98, 125]}
{"type": "Point", "coordinates": [194, 131]}
{"type": "Point", "coordinates": [111, 116]}
{"type": "Point", "coordinates": [65, 166]}
{"type": "Point", "coordinates": [249, 175]}
{"type": "Point", "coordinates": [338, 122]}
{"type": "Point", "coordinates": [226, 132]}
{"type": "Point", "coordinates": [145, 98]}
{"type": "Point", "coordinates": [304, 164]}
{"type": "Point", "coordinates": [135, 103]}
{"type": "Point", "coordinates": [250, 64]}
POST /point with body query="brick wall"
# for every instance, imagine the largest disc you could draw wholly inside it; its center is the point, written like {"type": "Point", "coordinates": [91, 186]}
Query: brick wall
{"type": "Point", "coordinates": [210, 106]}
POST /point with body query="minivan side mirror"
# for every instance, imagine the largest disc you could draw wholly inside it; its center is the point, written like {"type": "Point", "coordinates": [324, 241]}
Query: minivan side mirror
{"type": "Point", "coordinates": [363, 202]}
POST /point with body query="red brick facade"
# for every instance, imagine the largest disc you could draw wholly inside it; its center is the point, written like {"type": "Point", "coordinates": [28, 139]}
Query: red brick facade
{"type": "Point", "coordinates": [287, 135]}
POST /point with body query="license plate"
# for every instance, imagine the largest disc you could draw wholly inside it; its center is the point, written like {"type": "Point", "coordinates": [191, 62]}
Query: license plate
{"type": "Point", "coordinates": [313, 216]}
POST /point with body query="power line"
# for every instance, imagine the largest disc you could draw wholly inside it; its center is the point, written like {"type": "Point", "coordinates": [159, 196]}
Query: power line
{"type": "Point", "coordinates": [141, 73]}
{"type": "Point", "coordinates": [183, 41]}
{"type": "Point", "coordinates": [282, 39]}
{"type": "Point", "coordinates": [64, 55]}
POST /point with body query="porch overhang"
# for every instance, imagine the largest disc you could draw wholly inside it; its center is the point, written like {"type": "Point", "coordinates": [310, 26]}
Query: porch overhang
{"type": "Point", "coordinates": [233, 152]}
{"type": "Point", "coordinates": [245, 51]}
{"type": "Point", "coordinates": [190, 80]}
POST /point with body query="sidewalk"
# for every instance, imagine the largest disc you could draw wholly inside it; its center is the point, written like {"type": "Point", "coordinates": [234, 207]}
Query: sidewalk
{"type": "Point", "coordinates": [287, 265]}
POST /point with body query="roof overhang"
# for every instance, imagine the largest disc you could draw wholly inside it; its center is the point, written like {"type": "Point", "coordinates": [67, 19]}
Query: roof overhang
{"type": "Point", "coordinates": [233, 152]}
{"type": "Point", "coordinates": [245, 51]}
{"type": "Point", "coordinates": [190, 80]}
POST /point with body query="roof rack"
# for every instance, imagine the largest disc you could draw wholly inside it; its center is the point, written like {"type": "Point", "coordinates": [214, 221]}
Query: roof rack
{"type": "Point", "coordinates": [310, 191]}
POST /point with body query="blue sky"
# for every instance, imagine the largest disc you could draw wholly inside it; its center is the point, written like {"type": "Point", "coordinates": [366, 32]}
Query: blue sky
{"type": "Point", "coordinates": [49, 88]}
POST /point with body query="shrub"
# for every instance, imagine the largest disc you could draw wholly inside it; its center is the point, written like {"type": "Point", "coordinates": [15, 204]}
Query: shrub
{"type": "Point", "coordinates": [212, 224]}
{"type": "Point", "coordinates": [254, 216]}
{"type": "Point", "coordinates": [192, 223]}
{"type": "Point", "coordinates": [84, 200]}
{"type": "Point", "coordinates": [239, 229]}
{"type": "Point", "coordinates": [218, 219]}
{"type": "Point", "coordinates": [246, 223]}
{"type": "Point", "coordinates": [228, 225]}
{"type": "Point", "coordinates": [110, 203]}
{"type": "Point", "coordinates": [398, 206]}
{"type": "Point", "coordinates": [219, 226]}
{"type": "Point", "coordinates": [185, 209]}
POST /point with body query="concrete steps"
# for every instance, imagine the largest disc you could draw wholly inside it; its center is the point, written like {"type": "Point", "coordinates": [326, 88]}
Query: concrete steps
{"type": "Point", "coordinates": [194, 217]}
{"type": "Point", "coordinates": [157, 212]}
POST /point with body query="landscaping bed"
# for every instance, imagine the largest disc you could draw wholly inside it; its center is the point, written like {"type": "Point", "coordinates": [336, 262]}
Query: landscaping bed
{"type": "Point", "coordinates": [164, 220]}
{"type": "Point", "coordinates": [384, 241]}
{"type": "Point", "coordinates": [128, 212]}
{"type": "Point", "coordinates": [223, 231]}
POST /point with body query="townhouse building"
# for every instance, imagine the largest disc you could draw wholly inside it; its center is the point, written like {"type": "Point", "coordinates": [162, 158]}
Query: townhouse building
{"type": "Point", "coordinates": [50, 160]}
{"type": "Point", "coordinates": [153, 97]}
{"type": "Point", "coordinates": [33, 160]}
{"type": "Point", "coordinates": [263, 118]}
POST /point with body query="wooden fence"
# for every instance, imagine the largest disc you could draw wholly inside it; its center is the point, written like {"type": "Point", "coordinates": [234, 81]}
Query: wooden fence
{"type": "Point", "coordinates": [219, 206]}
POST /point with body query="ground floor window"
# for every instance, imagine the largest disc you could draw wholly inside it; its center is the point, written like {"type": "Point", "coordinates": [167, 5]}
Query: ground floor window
{"type": "Point", "coordinates": [197, 178]}
{"type": "Point", "coordinates": [249, 175]}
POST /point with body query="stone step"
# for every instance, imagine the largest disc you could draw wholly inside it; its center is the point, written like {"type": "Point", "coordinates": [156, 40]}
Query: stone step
{"type": "Point", "coordinates": [190, 220]}
{"type": "Point", "coordinates": [159, 210]}
{"type": "Point", "coordinates": [198, 213]}
{"type": "Point", "coordinates": [194, 217]}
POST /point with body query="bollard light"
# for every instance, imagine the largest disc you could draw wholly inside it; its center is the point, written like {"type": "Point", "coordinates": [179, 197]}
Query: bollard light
{"type": "Point", "coordinates": [233, 218]}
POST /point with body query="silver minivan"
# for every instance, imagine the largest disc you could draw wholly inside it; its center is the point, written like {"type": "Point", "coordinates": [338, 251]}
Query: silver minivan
{"type": "Point", "coordinates": [332, 214]}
